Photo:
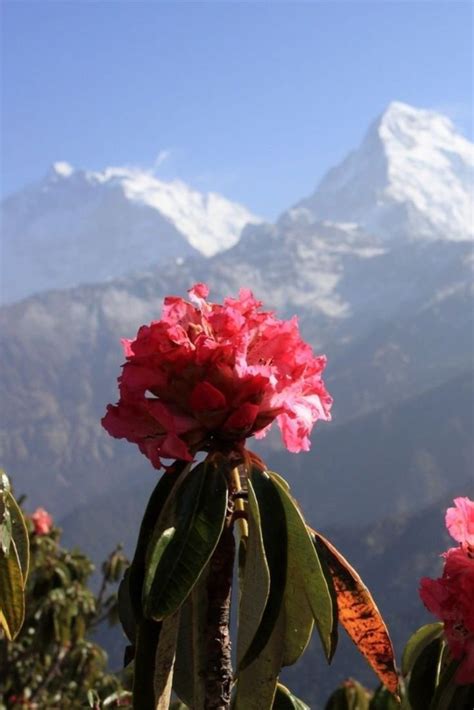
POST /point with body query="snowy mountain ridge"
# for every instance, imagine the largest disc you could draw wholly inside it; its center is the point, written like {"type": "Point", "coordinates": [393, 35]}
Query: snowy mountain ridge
{"type": "Point", "coordinates": [210, 222]}
{"type": "Point", "coordinates": [77, 226]}
{"type": "Point", "coordinates": [412, 178]}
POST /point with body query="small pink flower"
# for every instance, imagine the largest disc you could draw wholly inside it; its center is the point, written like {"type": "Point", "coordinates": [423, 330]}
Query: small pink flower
{"type": "Point", "coordinates": [42, 521]}
{"type": "Point", "coordinates": [460, 522]}
{"type": "Point", "coordinates": [210, 374]}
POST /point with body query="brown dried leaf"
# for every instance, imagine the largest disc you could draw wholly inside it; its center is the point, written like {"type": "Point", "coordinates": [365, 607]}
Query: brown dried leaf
{"type": "Point", "coordinates": [359, 614]}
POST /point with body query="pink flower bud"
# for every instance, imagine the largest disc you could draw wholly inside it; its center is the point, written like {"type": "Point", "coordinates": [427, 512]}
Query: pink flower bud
{"type": "Point", "coordinates": [42, 521]}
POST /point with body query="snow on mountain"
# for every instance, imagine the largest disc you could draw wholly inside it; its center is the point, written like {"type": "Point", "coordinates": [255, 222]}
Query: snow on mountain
{"type": "Point", "coordinates": [79, 226]}
{"type": "Point", "coordinates": [412, 177]}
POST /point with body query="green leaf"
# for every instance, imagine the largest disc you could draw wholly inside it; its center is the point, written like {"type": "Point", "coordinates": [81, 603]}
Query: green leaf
{"type": "Point", "coordinates": [148, 633]}
{"type": "Point", "coordinates": [307, 561]}
{"type": "Point", "coordinates": [191, 653]}
{"type": "Point", "coordinates": [273, 526]}
{"type": "Point", "coordinates": [350, 696]}
{"type": "Point", "coordinates": [423, 677]}
{"type": "Point", "coordinates": [255, 586]}
{"type": "Point", "coordinates": [257, 682]}
{"type": "Point", "coordinates": [164, 662]}
{"type": "Point", "coordinates": [125, 610]}
{"type": "Point", "coordinates": [285, 700]}
{"type": "Point", "coordinates": [12, 599]}
{"type": "Point", "coordinates": [383, 699]}
{"type": "Point", "coordinates": [417, 642]}
{"type": "Point", "coordinates": [157, 501]}
{"type": "Point", "coordinates": [175, 562]}
{"type": "Point", "coordinates": [19, 535]}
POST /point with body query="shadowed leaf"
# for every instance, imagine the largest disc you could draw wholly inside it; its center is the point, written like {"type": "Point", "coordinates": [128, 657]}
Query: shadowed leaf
{"type": "Point", "coordinates": [257, 682]}
{"type": "Point", "coordinates": [273, 525]}
{"type": "Point", "coordinates": [177, 554]}
{"type": "Point", "coordinates": [285, 700]}
{"type": "Point", "coordinates": [417, 642]}
{"type": "Point", "coordinates": [359, 614]}
{"type": "Point", "coordinates": [308, 571]}
{"type": "Point", "coordinates": [255, 585]}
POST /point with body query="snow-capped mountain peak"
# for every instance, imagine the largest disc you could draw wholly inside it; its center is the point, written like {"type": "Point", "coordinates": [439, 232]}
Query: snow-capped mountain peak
{"type": "Point", "coordinates": [77, 226]}
{"type": "Point", "coordinates": [412, 177]}
{"type": "Point", "coordinates": [209, 222]}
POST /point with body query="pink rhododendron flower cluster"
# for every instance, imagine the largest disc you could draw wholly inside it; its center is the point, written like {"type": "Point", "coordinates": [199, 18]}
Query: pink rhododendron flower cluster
{"type": "Point", "coordinates": [451, 597]}
{"type": "Point", "coordinates": [211, 374]}
{"type": "Point", "coordinates": [42, 521]}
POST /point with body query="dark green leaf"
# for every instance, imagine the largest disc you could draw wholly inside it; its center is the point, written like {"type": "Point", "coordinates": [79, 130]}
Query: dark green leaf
{"type": "Point", "coordinates": [148, 633]}
{"type": "Point", "coordinates": [318, 593]}
{"type": "Point", "coordinates": [417, 642]}
{"type": "Point", "coordinates": [285, 700]}
{"type": "Point", "coordinates": [155, 505]}
{"type": "Point", "coordinates": [423, 676]}
{"type": "Point", "coordinates": [273, 525]}
{"type": "Point", "coordinates": [255, 585]}
{"type": "Point", "coordinates": [175, 561]}
{"type": "Point", "coordinates": [125, 610]}
{"type": "Point", "coordinates": [383, 699]}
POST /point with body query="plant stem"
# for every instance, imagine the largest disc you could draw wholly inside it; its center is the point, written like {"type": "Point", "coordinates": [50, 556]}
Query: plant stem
{"type": "Point", "coordinates": [218, 673]}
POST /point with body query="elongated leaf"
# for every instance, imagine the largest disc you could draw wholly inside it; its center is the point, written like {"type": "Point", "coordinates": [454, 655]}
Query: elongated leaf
{"type": "Point", "coordinates": [148, 633]}
{"type": "Point", "coordinates": [125, 610]}
{"type": "Point", "coordinates": [191, 652]}
{"type": "Point", "coordinates": [200, 507]}
{"type": "Point", "coordinates": [359, 614]}
{"type": "Point", "coordinates": [306, 560]}
{"type": "Point", "coordinates": [164, 663]}
{"type": "Point", "coordinates": [273, 525]}
{"type": "Point", "coordinates": [12, 599]}
{"type": "Point", "coordinates": [417, 642]}
{"type": "Point", "coordinates": [155, 506]}
{"type": "Point", "coordinates": [257, 682]}
{"type": "Point", "coordinates": [19, 535]}
{"type": "Point", "coordinates": [285, 700]}
{"type": "Point", "coordinates": [423, 677]}
{"type": "Point", "coordinates": [255, 586]}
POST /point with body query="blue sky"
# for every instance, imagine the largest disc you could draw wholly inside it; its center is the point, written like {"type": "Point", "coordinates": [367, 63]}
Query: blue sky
{"type": "Point", "coordinates": [255, 100]}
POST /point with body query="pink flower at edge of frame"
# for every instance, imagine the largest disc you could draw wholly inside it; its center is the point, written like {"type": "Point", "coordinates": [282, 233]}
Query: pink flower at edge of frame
{"type": "Point", "coordinates": [460, 522]}
{"type": "Point", "coordinates": [42, 521]}
{"type": "Point", "coordinates": [450, 599]}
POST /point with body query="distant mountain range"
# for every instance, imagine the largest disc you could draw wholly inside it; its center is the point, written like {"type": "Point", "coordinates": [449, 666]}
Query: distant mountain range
{"type": "Point", "coordinates": [78, 226]}
{"type": "Point", "coordinates": [377, 264]}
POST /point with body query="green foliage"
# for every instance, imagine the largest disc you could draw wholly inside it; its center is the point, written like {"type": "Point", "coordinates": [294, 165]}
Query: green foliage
{"type": "Point", "coordinates": [52, 663]}
{"type": "Point", "coordinates": [289, 582]}
{"type": "Point", "coordinates": [14, 561]}
{"type": "Point", "coordinates": [429, 672]}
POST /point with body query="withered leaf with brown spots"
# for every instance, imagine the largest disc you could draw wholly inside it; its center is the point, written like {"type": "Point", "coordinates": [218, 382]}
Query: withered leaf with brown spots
{"type": "Point", "coordinates": [359, 614]}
